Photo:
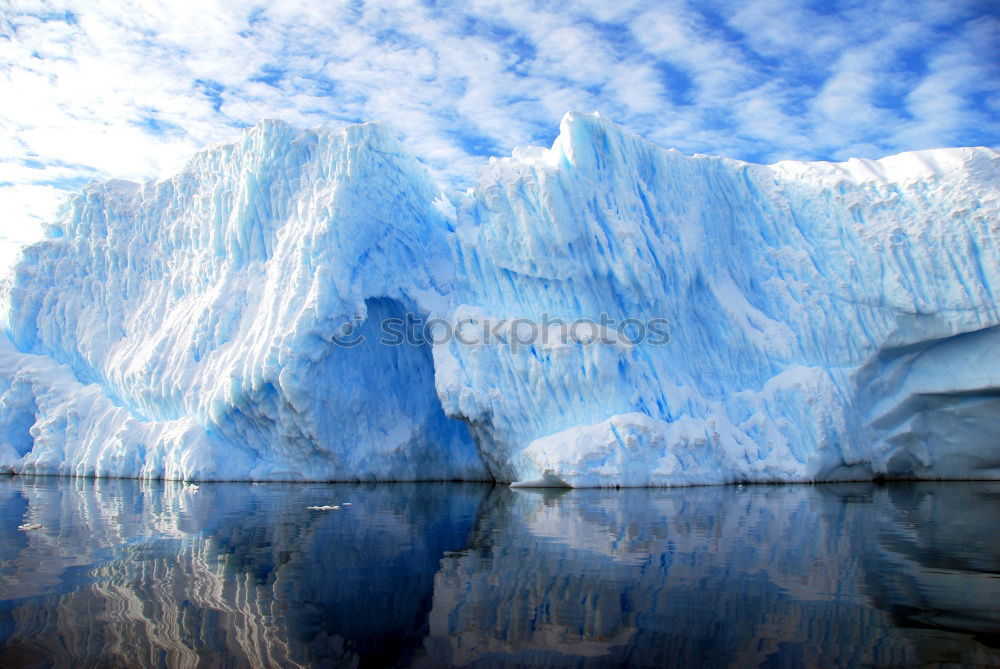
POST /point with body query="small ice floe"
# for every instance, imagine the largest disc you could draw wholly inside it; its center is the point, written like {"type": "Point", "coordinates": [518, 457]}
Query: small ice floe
{"type": "Point", "coordinates": [324, 508]}
{"type": "Point", "coordinates": [548, 480]}
{"type": "Point", "coordinates": [345, 503]}
{"type": "Point", "coordinates": [27, 527]}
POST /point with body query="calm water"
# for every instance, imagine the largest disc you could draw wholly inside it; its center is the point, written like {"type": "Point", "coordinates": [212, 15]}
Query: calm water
{"type": "Point", "coordinates": [135, 574]}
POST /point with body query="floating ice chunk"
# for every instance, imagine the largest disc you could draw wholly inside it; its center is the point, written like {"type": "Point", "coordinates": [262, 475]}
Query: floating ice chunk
{"type": "Point", "coordinates": [547, 480]}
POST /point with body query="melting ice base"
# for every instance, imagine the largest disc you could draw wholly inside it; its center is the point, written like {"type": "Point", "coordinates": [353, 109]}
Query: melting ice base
{"type": "Point", "coordinates": [826, 321]}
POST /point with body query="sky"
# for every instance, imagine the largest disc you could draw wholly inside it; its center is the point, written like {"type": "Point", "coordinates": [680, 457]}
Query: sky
{"type": "Point", "coordinates": [93, 89]}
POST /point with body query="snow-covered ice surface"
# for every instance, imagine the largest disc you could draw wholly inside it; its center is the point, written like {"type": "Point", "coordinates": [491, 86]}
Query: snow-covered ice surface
{"type": "Point", "coordinates": [182, 328]}
{"type": "Point", "coordinates": [826, 320]}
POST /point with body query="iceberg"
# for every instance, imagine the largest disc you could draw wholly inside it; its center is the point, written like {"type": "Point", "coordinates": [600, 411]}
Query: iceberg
{"type": "Point", "coordinates": [184, 329]}
{"type": "Point", "coordinates": [787, 322]}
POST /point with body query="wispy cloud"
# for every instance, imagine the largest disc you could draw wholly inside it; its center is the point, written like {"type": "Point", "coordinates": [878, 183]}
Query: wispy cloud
{"type": "Point", "coordinates": [89, 89]}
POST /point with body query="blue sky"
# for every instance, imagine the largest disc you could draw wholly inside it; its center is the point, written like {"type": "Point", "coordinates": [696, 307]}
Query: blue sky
{"type": "Point", "coordinates": [90, 90]}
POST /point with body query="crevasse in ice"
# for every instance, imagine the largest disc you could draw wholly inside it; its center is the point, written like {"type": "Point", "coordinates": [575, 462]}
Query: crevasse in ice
{"type": "Point", "coordinates": [825, 321]}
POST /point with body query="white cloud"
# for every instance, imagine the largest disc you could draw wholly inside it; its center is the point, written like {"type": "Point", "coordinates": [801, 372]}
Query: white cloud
{"type": "Point", "coordinates": [108, 91]}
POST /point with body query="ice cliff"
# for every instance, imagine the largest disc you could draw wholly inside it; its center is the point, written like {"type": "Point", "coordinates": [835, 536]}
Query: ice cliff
{"type": "Point", "coordinates": [182, 329]}
{"type": "Point", "coordinates": [825, 321]}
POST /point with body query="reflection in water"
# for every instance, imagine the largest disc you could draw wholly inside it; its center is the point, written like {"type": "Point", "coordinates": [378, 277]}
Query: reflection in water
{"type": "Point", "coordinates": [125, 573]}
{"type": "Point", "coordinates": [138, 574]}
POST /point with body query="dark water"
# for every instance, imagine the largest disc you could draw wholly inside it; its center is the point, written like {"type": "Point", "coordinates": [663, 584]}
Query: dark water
{"type": "Point", "coordinates": [143, 574]}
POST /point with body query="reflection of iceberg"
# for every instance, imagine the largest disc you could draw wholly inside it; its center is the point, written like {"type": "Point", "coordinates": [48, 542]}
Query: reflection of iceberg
{"type": "Point", "coordinates": [631, 578]}
{"type": "Point", "coordinates": [244, 575]}
{"type": "Point", "coordinates": [920, 577]}
{"type": "Point", "coordinates": [139, 574]}
{"type": "Point", "coordinates": [703, 576]}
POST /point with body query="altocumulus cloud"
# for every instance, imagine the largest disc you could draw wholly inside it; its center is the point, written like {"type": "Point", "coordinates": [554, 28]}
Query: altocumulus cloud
{"type": "Point", "coordinates": [92, 89]}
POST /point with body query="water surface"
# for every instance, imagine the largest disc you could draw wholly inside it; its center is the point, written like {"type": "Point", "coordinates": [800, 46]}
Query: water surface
{"type": "Point", "coordinates": [126, 573]}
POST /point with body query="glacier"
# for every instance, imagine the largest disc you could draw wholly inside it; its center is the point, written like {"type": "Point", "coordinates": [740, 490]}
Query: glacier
{"type": "Point", "coordinates": [826, 321]}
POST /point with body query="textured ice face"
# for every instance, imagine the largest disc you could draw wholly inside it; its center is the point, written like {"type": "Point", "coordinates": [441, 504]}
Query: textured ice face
{"type": "Point", "coordinates": [825, 320]}
{"type": "Point", "coordinates": [211, 299]}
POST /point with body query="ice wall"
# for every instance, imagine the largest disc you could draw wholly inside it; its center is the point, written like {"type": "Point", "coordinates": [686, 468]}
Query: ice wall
{"type": "Point", "coordinates": [182, 328]}
{"type": "Point", "coordinates": [825, 320]}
